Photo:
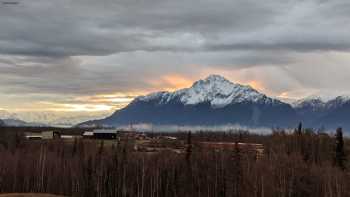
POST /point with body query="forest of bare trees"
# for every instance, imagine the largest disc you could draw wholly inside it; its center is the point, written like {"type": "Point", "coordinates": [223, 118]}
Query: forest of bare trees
{"type": "Point", "coordinates": [301, 163]}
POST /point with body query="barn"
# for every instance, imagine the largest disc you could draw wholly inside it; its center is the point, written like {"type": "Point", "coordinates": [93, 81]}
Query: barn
{"type": "Point", "coordinates": [107, 134]}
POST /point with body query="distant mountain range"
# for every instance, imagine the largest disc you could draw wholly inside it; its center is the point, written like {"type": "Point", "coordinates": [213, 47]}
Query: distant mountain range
{"type": "Point", "coordinates": [318, 112]}
{"type": "Point", "coordinates": [60, 119]}
{"type": "Point", "coordinates": [20, 123]}
{"type": "Point", "coordinates": [212, 101]}
{"type": "Point", "coordinates": [11, 119]}
{"type": "Point", "coordinates": [208, 102]}
{"type": "Point", "coordinates": [217, 101]}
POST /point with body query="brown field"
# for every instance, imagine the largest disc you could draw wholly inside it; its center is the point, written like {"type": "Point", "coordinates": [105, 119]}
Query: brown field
{"type": "Point", "coordinates": [298, 163]}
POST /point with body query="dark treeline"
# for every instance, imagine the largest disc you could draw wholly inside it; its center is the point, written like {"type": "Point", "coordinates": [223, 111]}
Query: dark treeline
{"type": "Point", "coordinates": [64, 131]}
{"type": "Point", "coordinates": [296, 164]}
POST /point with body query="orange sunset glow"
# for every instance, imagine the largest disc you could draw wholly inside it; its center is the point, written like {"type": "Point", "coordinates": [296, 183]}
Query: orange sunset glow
{"type": "Point", "coordinates": [175, 82]}
{"type": "Point", "coordinates": [170, 83]}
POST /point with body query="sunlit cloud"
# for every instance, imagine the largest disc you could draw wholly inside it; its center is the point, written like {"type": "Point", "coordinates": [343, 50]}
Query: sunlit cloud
{"type": "Point", "coordinates": [257, 85]}
{"type": "Point", "coordinates": [103, 102]}
{"type": "Point", "coordinates": [109, 98]}
{"type": "Point", "coordinates": [175, 82]}
{"type": "Point", "coordinates": [171, 82]}
{"type": "Point", "coordinates": [78, 107]}
{"type": "Point", "coordinates": [284, 95]}
{"type": "Point", "coordinates": [294, 95]}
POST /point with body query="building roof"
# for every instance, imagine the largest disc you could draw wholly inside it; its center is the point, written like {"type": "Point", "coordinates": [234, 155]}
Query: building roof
{"type": "Point", "coordinates": [88, 133]}
{"type": "Point", "coordinates": [105, 131]}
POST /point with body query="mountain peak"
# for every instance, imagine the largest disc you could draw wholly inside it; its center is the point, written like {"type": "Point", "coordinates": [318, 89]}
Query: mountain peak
{"type": "Point", "coordinates": [213, 81]}
{"type": "Point", "coordinates": [214, 89]}
{"type": "Point", "coordinates": [214, 77]}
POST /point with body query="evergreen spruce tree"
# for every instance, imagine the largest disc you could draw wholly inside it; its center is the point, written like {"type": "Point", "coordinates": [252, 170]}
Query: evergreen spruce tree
{"type": "Point", "coordinates": [340, 156]}
{"type": "Point", "coordinates": [300, 127]}
{"type": "Point", "coordinates": [189, 147]}
{"type": "Point", "coordinates": [75, 147]}
{"type": "Point", "coordinates": [101, 148]}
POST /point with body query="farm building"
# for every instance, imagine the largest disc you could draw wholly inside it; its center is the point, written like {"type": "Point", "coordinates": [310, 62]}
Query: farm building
{"type": "Point", "coordinates": [33, 136]}
{"type": "Point", "coordinates": [108, 134]}
{"type": "Point", "coordinates": [45, 135]}
{"type": "Point", "coordinates": [167, 138]}
{"type": "Point", "coordinates": [49, 135]}
{"type": "Point", "coordinates": [88, 134]}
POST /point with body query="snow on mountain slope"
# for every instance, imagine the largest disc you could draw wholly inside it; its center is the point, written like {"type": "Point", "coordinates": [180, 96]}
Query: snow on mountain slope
{"type": "Point", "coordinates": [7, 115]}
{"type": "Point", "coordinates": [313, 102]}
{"type": "Point", "coordinates": [216, 90]}
{"type": "Point", "coordinates": [48, 118]}
{"type": "Point", "coordinates": [318, 102]}
{"type": "Point", "coordinates": [20, 123]}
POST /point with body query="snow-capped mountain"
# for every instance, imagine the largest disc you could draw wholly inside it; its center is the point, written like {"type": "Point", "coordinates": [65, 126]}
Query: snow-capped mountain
{"type": "Point", "coordinates": [337, 113]}
{"type": "Point", "coordinates": [337, 102]}
{"type": "Point", "coordinates": [318, 111]}
{"type": "Point", "coordinates": [321, 101]}
{"type": "Point", "coordinates": [211, 101]}
{"type": "Point", "coordinates": [310, 109]}
{"type": "Point", "coordinates": [317, 102]}
{"type": "Point", "coordinates": [312, 102]}
{"type": "Point", "coordinates": [216, 90]}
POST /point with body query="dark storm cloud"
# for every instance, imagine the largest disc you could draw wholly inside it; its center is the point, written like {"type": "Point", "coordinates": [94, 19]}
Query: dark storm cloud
{"type": "Point", "coordinates": [85, 27]}
{"type": "Point", "coordinates": [68, 75]}
{"type": "Point", "coordinates": [293, 46]}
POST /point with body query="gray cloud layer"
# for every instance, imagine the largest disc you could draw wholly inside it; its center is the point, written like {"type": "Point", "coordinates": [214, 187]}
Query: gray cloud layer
{"type": "Point", "coordinates": [86, 27]}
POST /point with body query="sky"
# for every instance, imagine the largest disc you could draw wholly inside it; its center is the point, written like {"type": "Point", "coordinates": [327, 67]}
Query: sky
{"type": "Point", "coordinates": [92, 56]}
